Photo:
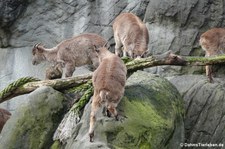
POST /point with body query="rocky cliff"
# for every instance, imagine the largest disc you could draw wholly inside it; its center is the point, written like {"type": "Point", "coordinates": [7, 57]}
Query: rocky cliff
{"type": "Point", "coordinates": [173, 25]}
{"type": "Point", "coordinates": [204, 104]}
{"type": "Point", "coordinates": [151, 116]}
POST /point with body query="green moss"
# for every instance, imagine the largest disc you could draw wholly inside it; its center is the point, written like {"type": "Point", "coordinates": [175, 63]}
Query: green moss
{"type": "Point", "coordinates": [35, 122]}
{"type": "Point", "coordinates": [80, 88]}
{"type": "Point", "coordinates": [14, 85]}
{"type": "Point", "coordinates": [126, 59]}
{"type": "Point", "coordinates": [206, 59]}
{"type": "Point", "coordinates": [151, 108]}
{"type": "Point", "coordinates": [56, 145]}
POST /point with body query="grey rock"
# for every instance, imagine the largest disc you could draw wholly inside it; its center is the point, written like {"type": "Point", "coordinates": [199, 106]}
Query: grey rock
{"type": "Point", "coordinates": [10, 11]}
{"type": "Point", "coordinates": [204, 108]}
{"type": "Point", "coordinates": [50, 22]}
{"type": "Point", "coordinates": [33, 124]}
{"type": "Point", "coordinates": [177, 25]}
{"type": "Point", "coordinates": [173, 25]}
{"type": "Point", "coordinates": [151, 116]}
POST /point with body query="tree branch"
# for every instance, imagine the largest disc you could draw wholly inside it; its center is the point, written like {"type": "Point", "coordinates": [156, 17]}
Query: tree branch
{"type": "Point", "coordinates": [17, 88]}
{"type": "Point", "coordinates": [167, 58]}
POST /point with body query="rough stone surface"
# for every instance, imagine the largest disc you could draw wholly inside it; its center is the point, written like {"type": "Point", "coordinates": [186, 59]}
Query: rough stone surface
{"type": "Point", "coordinates": [151, 116]}
{"type": "Point", "coordinates": [50, 22]}
{"type": "Point", "coordinates": [173, 25]}
{"type": "Point", "coordinates": [33, 124]}
{"type": "Point", "coordinates": [204, 108]}
{"type": "Point", "coordinates": [177, 25]}
{"type": "Point", "coordinates": [9, 12]}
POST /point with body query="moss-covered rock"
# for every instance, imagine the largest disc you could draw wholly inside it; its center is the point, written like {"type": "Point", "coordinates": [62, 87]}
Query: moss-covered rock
{"type": "Point", "coordinates": [151, 117]}
{"type": "Point", "coordinates": [33, 124]}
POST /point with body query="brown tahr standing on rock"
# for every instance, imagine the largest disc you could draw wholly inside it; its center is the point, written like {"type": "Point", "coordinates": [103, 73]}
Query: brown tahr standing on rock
{"type": "Point", "coordinates": [213, 43]}
{"type": "Point", "coordinates": [131, 33]}
{"type": "Point", "coordinates": [109, 83]}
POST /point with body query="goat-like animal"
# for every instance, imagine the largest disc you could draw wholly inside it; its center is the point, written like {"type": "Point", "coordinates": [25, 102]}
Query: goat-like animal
{"type": "Point", "coordinates": [213, 43]}
{"type": "Point", "coordinates": [131, 33]}
{"type": "Point", "coordinates": [54, 72]}
{"type": "Point", "coordinates": [71, 53]}
{"type": "Point", "coordinates": [4, 116]}
{"type": "Point", "coordinates": [109, 82]}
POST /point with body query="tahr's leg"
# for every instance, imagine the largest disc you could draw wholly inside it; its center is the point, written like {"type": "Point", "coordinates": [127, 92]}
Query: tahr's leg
{"type": "Point", "coordinates": [128, 49]}
{"type": "Point", "coordinates": [118, 45]}
{"type": "Point", "coordinates": [70, 68]}
{"type": "Point", "coordinates": [113, 111]}
{"type": "Point", "coordinates": [95, 106]}
{"type": "Point", "coordinates": [208, 69]}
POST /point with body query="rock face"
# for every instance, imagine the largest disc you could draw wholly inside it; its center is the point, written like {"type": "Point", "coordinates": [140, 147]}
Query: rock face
{"type": "Point", "coordinates": [50, 22]}
{"type": "Point", "coordinates": [9, 12]}
{"type": "Point", "coordinates": [34, 123]}
{"type": "Point", "coordinates": [204, 108]}
{"type": "Point", "coordinates": [177, 25]}
{"type": "Point", "coordinates": [151, 117]}
{"type": "Point", "coordinates": [172, 26]}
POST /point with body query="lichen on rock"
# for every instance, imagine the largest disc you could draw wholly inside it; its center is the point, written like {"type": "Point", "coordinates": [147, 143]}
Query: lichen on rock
{"type": "Point", "coordinates": [151, 116]}
{"type": "Point", "coordinates": [33, 124]}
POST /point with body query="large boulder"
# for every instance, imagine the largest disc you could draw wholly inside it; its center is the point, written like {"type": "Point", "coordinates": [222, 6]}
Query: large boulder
{"type": "Point", "coordinates": [204, 108]}
{"type": "Point", "coordinates": [151, 116]}
{"type": "Point", "coordinates": [32, 125]}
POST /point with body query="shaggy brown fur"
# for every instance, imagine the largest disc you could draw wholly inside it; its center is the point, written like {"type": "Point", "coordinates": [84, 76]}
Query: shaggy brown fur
{"type": "Point", "coordinates": [131, 33]}
{"type": "Point", "coordinates": [4, 116]}
{"type": "Point", "coordinates": [109, 82]}
{"type": "Point", "coordinates": [54, 72]}
{"type": "Point", "coordinates": [71, 53]}
{"type": "Point", "coordinates": [213, 43]}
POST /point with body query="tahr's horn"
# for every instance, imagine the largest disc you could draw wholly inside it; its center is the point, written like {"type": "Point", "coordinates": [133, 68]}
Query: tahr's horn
{"type": "Point", "coordinates": [36, 45]}
{"type": "Point", "coordinates": [105, 45]}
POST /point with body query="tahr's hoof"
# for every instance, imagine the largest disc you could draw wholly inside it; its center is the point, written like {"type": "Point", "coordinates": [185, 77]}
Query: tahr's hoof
{"type": "Point", "coordinates": [211, 80]}
{"type": "Point", "coordinates": [117, 117]}
{"type": "Point", "coordinates": [108, 113]}
{"type": "Point", "coordinates": [91, 135]}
